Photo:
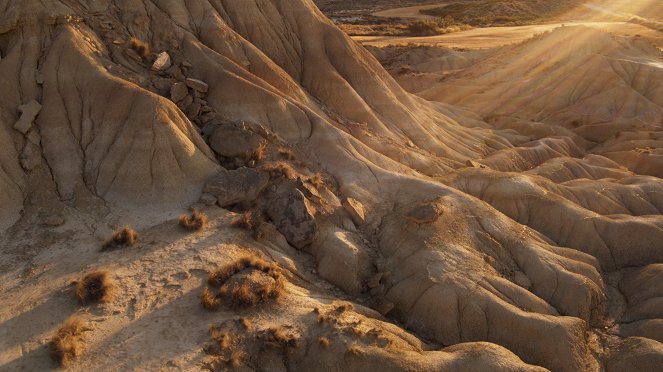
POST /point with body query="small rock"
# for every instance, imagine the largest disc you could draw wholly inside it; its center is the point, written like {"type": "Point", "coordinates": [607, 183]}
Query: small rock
{"type": "Point", "coordinates": [118, 42]}
{"type": "Point", "coordinates": [39, 77]}
{"type": "Point", "coordinates": [230, 141]}
{"type": "Point", "coordinates": [208, 199]}
{"type": "Point", "coordinates": [197, 85]}
{"type": "Point", "coordinates": [175, 72]}
{"type": "Point", "coordinates": [374, 281]}
{"type": "Point", "coordinates": [193, 110]}
{"type": "Point", "coordinates": [384, 306]}
{"type": "Point", "coordinates": [54, 221]}
{"type": "Point", "coordinates": [474, 164]}
{"type": "Point", "coordinates": [294, 217]}
{"type": "Point", "coordinates": [30, 156]}
{"type": "Point", "coordinates": [178, 91]}
{"type": "Point", "coordinates": [183, 104]}
{"type": "Point", "coordinates": [34, 137]}
{"type": "Point", "coordinates": [425, 213]}
{"type": "Point", "coordinates": [186, 64]}
{"type": "Point", "coordinates": [348, 224]}
{"type": "Point", "coordinates": [231, 187]}
{"type": "Point", "coordinates": [355, 209]}
{"type": "Point", "coordinates": [133, 55]}
{"type": "Point", "coordinates": [29, 112]}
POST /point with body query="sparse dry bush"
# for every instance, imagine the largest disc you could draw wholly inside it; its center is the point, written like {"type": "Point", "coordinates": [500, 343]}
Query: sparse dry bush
{"type": "Point", "coordinates": [196, 221]}
{"type": "Point", "coordinates": [324, 341]}
{"type": "Point", "coordinates": [247, 221]}
{"type": "Point", "coordinates": [279, 338]}
{"type": "Point", "coordinates": [280, 169]}
{"type": "Point", "coordinates": [95, 286]}
{"type": "Point", "coordinates": [141, 47]}
{"type": "Point", "coordinates": [123, 237]}
{"type": "Point", "coordinates": [67, 343]}
{"type": "Point", "coordinates": [423, 27]}
{"type": "Point", "coordinates": [286, 153]}
{"type": "Point", "coordinates": [257, 155]}
{"type": "Point", "coordinates": [247, 292]}
{"type": "Point", "coordinates": [317, 180]}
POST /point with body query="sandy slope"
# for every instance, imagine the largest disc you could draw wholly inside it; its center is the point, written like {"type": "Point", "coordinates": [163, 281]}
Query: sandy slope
{"type": "Point", "coordinates": [466, 241]}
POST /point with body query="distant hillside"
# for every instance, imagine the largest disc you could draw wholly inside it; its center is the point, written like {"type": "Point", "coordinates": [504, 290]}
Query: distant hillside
{"type": "Point", "coordinates": [501, 12]}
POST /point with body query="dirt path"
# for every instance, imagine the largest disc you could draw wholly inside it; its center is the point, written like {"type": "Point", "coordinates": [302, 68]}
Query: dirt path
{"type": "Point", "coordinates": [409, 12]}
{"type": "Point", "coordinates": [491, 37]}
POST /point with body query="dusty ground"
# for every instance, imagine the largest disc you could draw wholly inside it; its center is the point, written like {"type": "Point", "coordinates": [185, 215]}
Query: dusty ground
{"type": "Point", "coordinates": [510, 221]}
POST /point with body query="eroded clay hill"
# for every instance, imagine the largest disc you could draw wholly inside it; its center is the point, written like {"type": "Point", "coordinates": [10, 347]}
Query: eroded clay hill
{"type": "Point", "coordinates": [463, 245]}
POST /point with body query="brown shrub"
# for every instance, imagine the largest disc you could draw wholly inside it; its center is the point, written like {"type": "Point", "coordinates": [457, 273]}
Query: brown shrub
{"type": "Point", "coordinates": [256, 155]}
{"type": "Point", "coordinates": [95, 286]}
{"type": "Point", "coordinates": [123, 237]}
{"type": "Point", "coordinates": [317, 180]}
{"type": "Point", "coordinates": [286, 153]}
{"type": "Point", "coordinates": [280, 169]}
{"type": "Point", "coordinates": [209, 300]}
{"type": "Point", "coordinates": [324, 341]}
{"type": "Point", "coordinates": [67, 343]}
{"type": "Point", "coordinates": [236, 358]}
{"type": "Point", "coordinates": [247, 221]}
{"type": "Point", "coordinates": [246, 293]}
{"type": "Point", "coordinates": [246, 323]}
{"type": "Point", "coordinates": [196, 221]}
{"type": "Point", "coordinates": [141, 47]}
{"type": "Point", "coordinates": [278, 337]}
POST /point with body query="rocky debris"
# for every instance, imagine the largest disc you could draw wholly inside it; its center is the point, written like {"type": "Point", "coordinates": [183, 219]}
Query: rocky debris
{"type": "Point", "coordinates": [163, 62]}
{"type": "Point", "coordinates": [355, 209]}
{"type": "Point", "coordinates": [30, 156]}
{"type": "Point", "coordinates": [208, 199]}
{"type": "Point", "coordinates": [293, 217]}
{"type": "Point", "coordinates": [425, 213]}
{"type": "Point", "coordinates": [383, 306]}
{"type": "Point", "coordinates": [29, 112]}
{"type": "Point", "coordinates": [197, 85]}
{"type": "Point", "coordinates": [184, 103]}
{"type": "Point", "coordinates": [178, 91]}
{"type": "Point", "coordinates": [231, 141]}
{"type": "Point", "coordinates": [235, 186]}
{"type": "Point", "coordinates": [474, 164]}
{"type": "Point", "coordinates": [374, 281]}
{"type": "Point", "coordinates": [54, 220]}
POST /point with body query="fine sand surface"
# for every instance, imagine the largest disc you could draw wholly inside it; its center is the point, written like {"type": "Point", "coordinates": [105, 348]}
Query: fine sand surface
{"type": "Point", "coordinates": [492, 37]}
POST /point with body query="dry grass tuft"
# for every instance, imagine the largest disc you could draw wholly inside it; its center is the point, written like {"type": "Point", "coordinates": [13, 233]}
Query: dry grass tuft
{"type": "Point", "coordinates": [197, 221]}
{"type": "Point", "coordinates": [286, 153]}
{"type": "Point", "coordinates": [355, 350]}
{"type": "Point", "coordinates": [324, 341]}
{"type": "Point", "coordinates": [257, 155]}
{"type": "Point", "coordinates": [236, 358]}
{"type": "Point", "coordinates": [95, 286]}
{"type": "Point", "coordinates": [247, 293]}
{"type": "Point", "coordinates": [209, 300]}
{"type": "Point", "coordinates": [141, 47]}
{"type": "Point", "coordinates": [278, 337]}
{"type": "Point", "coordinates": [247, 221]}
{"type": "Point", "coordinates": [246, 323]}
{"type": "Point", "coordinates": [67, 343]}
{"type": "Point", "coordinates": [280, 169]}
{"type": "Point", "coordinates": [123, 237]}
{"type": "Point", "coordinates": [317, 180]}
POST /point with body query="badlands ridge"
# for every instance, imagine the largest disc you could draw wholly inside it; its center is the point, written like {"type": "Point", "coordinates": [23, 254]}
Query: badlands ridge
{"type": "Point", "coordinates": [506, 217]}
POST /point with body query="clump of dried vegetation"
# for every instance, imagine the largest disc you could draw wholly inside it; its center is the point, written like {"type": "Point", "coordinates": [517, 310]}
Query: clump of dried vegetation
{"type": "Point", "coordinates": [247, 292]}
{"type": "Point", "coordinates": [257, 155]}
{"type": "Point", "coordinates": [141, 47]}
{"type": "Point", "coordinates": [123, 237]}
{"type": "Point", "coordinates": [278, 337]}
{"type": "Point", "coordinates": [324, 341]}
{"type": "Point", "coordinates": [196, 221]}
{"type": "Point", "coordinates": [280, 169]}
{"type": "Point", "coordinates": [67, 342]}
{"type": "Point", "coordinates": [247, 221]}
{"type": "Point", "coordinates": [96, 286]}
{"type": "Point", "coordinates": [317, 180]}
{"type": "Point", "coordinates": [226, 351]}
{"type": "Point", "coordinates": [286, 153]}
